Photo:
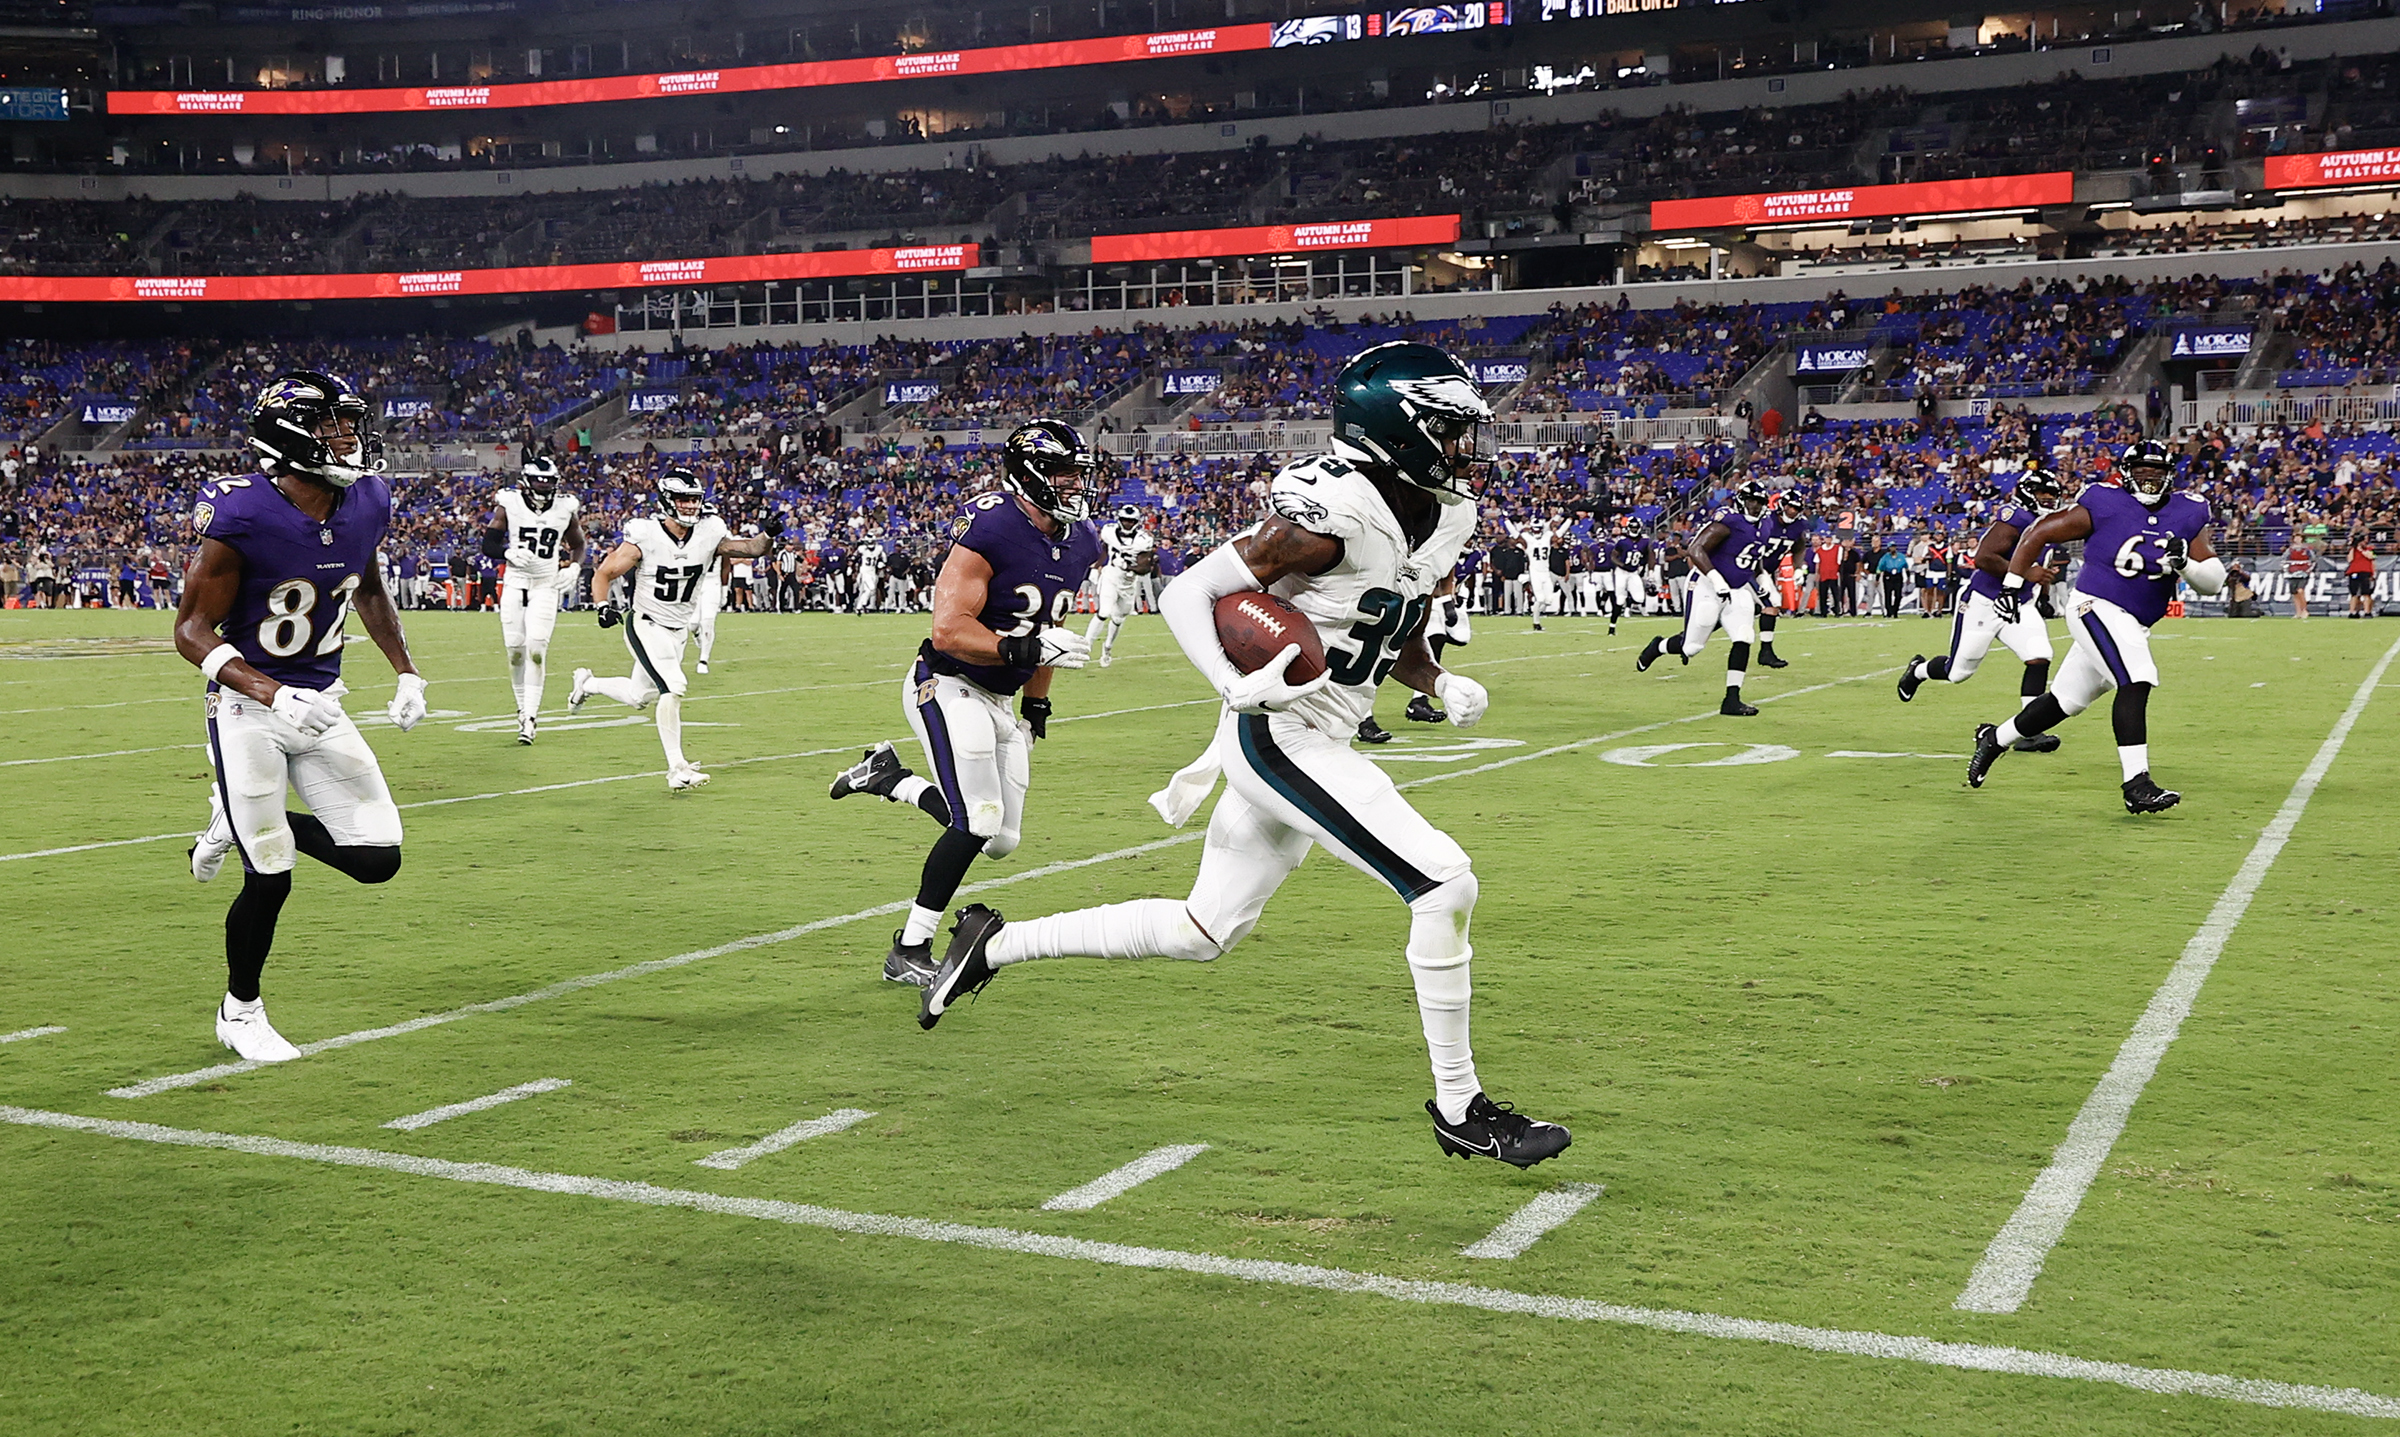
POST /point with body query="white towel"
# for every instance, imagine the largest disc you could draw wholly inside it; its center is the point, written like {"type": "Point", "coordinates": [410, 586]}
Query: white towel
{"type": "Point", "coordinates": [1189, 788]}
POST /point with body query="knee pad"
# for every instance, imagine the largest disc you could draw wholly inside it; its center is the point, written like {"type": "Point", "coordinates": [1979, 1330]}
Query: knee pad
{"type": "Point", "coordinates": [1000, 844]}
{"type": "Point", "coordinates": [516, 653]}
{"type": "Point", "coordinates": [983, 820]}
{"type": "Point", "coordinates": [268, 851]}
{"type": "Point", "coordinates": [1437, 935]}
{"type": "Point", "coordinates": [377, 825]}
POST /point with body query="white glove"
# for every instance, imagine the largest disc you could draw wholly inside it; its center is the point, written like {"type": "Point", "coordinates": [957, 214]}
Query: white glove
{"type": "Point", "coordinates": [408, 705]}
{"type": "Point", "coordinates": [517, 558]}
{"type": "Point", "coordinates": [1717, 585]}
{"type": "Point", "coordinates": [1767, 594]}
{"type": "Point", "coordinates": [1462, 698]}
{"type": "Point", "coordinates": [311, 711]}
{"type": "Point", "coordinates": [1266, 692]}
{"type": "Point", "coordinates": [1063, 648]}
{"type": "Point", "coordinates": [568, 578]}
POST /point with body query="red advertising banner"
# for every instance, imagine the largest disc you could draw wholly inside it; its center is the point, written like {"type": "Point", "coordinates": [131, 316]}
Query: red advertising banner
{"type": "Point", "coordinates": [1926, 197]}
{"type": "Point", "coordinates": [1050, 55]}
{"type": "Point", "coordinates": [528, 279]}
{"type": "Point", "coordinates": [2342, 167]}
{"type": "Point", "coordinates": [1276, 239]}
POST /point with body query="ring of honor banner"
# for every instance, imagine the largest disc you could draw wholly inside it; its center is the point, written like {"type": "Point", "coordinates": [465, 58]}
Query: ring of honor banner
{"type": "Point", "coordinates": [1275, 239]}
{"type": "Point", "coordinates": [526, 279]}
{"type": "Point", "coordinates": [2341, 167]}
{"type": "Point", "coordinates": [1051, 55]}
{"type": "Point", "coordinates": [1925, 197]}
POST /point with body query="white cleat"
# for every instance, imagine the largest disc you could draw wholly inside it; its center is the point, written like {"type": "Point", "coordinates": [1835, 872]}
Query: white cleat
{"type": "Point", "coordinates": [209, 849]}
{"type": "Point", "coordinates": [525, 728]}
{"type": "Point", "coordinates": [704, 666]}
{"type": "Point", "coordinates": [579, 691]}
{"type": "Point", "coordinates": [1105, 660]}
{"type": "Point", "coordinates": [686, 777]}
{"type": "Point", "coordinates": [244, 1028]}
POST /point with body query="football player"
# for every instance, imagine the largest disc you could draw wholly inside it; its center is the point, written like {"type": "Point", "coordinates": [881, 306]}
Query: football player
{"type": "Point", "coordinates": [1445, 627]}
{"type": "Point", "coordinates": [2138, 542]}
{"type": "Point", "coordinates": [1787, 528]}
{"type": "Point", "coordinates": [285, 556]}
{"type": "Point", "coordinates": [1726, 588]}
{"type": "Point", "coordinates": [709, 599]}
{"type": "Point", "coordinates": [1628, 555]}
{"type": "Point", "coordinates": [1356, 539]}
{"type": "Point", "coordinates": [1539, 537]}
{"type": "Point", "coordinates": [1130, 552]}
{"type": "Point", "coordinates": [670, 554]}
{"type": "Point", "coordinates": [1019, 556]}
{"type": "Point", "coordinates": [538, 532]}
{"type": "Point", "coordinates": [1978, 623]}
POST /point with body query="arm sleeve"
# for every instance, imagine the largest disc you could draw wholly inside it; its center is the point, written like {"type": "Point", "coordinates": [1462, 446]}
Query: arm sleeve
{"type": "Point", "coordinates": [2206, 575]}
{"type": "Point", "coordinates": [495, 542]}
{"type": "Point", "coordinates": [1189, 605]}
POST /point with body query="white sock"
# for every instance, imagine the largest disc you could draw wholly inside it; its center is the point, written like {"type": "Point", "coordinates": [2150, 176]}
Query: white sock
{"type": "Point", "coordinates": [670, 729]}
{"type": "Point", "coordinates": [1921, 670]}
{"type": "Point", "coordinates": [1091, 631]}
{"type": "Point", "coordinates": [529, 693]}
{"type": "Point", "coordinates": [909, 789]}
{"type": "Point", "coordinates": [1438, 955]}
{"type": "Point", "coordinates": [2133, 758]}
{"type": "Point", "coordinates": [2009, 733]}
{"type": "Point", "coordinates": [1734, 677]}
{"type": "Point", "coordinates": [240, 1007]}
{"type": "Point", "coordinates": [1144, 928]}
{"type": "Point", "coordinates": [923, 923]}
{"type": "Point", "coordinates": [516, 679]}
{"type": "Point", "coordinates": [1115, 627]}
{"type": "Point", "coordinates": [624, 691]}
{"type": "Point", "coordinates": [2025, 701]}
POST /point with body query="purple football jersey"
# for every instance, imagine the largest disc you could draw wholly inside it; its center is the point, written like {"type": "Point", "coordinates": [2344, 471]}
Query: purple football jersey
{"type": "Point", "coordinates": [1627, 552]}
{"type": "Point", "coordinates": [298, 575]}
{"type": "Point", "coordinates": [1746, 548]}
{"type": "Point", "coordinates": [2121, 561]}
{"type": "Point", "coordinates": [2019, 518]}
{"type": "Point", "coordinates": [1034, 579]}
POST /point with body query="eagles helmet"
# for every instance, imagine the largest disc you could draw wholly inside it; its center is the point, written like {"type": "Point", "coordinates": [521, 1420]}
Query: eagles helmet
{"type": "Point", "coordinates": [1129, 514]}
{"type": "Point", "coordinates": [539, 479]}
{"type": "Point", "coordinates": [2041, 491]}
{"type": "Point", "coordinates": [284, 424]}
{"type": "Point", "coordinates": [1049, 465]}
{"type": "Point", "coordinates": [1400, 406]}
{"type": "Point", "coordinates": [1752, 497]}
{"type": "Point", "coordinates": [2149, 471]}
{"type": "Point", "coordinates": [680, 497]}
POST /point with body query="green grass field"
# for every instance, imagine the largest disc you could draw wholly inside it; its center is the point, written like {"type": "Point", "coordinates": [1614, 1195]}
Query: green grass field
{"type": "Point", "coordinates": [1816, 1023]}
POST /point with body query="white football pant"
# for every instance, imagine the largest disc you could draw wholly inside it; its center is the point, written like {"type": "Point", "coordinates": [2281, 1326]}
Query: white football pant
{"type": "Point", "coordinates": [657, 674]}
{"type": "Point", "coordinates": [528, 616]}
{"type": "Point", "coordinates": [1977, 624]}
{"type": "Point", "coordinates": [258, 756]}
{"type": "Point", "coordinates": [981, 756]}
{"type": "Point", "coordinates": [1705, 610]}
{"type": "Point", "coordinates": [2111, 650]}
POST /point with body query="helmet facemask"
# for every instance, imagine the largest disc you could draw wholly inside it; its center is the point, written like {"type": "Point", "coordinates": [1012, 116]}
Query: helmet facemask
{"type": "Point", "coordinates": [2149, 483]}
{"type": "Point", "coordinates": [313, 426]}
{"type": "Point", "coordinates": [680, 498]}
{"type": "Point", "coordinates": [1048, 464]}
{"type": "Point", "coordinates": [540, 482]}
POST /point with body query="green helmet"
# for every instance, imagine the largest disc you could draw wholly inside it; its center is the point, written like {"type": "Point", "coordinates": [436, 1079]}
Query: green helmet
{"type": "Point", "coordinates": [1398, 405]}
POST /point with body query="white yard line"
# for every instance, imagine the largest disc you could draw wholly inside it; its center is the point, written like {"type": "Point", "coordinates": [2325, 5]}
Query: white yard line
{"type": "Point", "coordinates": [22, 1034]}
{"type": "Point", "coordinates": [2006, 1274]}
{"type": "Point", "coordinates": [1527, 1224]}
{"type": "Point", "coordinates": [150, 1086]}
{"type": "Point", "coordinates": [776, 1142]}
{"type": "Point", "coordinates": [1963, 1356]}
{"type": "Point", "coordinates": [112, 753]}
{"type": "Point", "coordinates": [448, 1111]}
{"type": "Point", "coordinates": [1125, 1179]}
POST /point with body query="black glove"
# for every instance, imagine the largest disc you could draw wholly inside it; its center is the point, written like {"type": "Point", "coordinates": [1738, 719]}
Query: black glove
{"type": "Point", "coordinates": [2178, 553]}
{"type": "Point", "coordinates": [1037, 715]}
{"type": "Point", "coordinates": [611, 614]}
{"type": "Point", "coordinates": [2006, 605]}
{"type": "Point", "coordinates": [772, 524]}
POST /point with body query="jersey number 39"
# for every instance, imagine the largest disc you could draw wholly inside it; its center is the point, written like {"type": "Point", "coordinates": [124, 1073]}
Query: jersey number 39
{"type": "Point", "coordinates": [1386, 622]}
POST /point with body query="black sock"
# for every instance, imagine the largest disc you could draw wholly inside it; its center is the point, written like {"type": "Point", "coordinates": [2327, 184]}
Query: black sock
{"type": "Point", "coordinates": [1673, 645]}
{"type": "Point", "coordinates": [946, 868]}
{"type": "Point", "coordinates": [1937, 670]}
{"type": "Point", "coordinates": [374, 864]}
{"type": "Point", "coordinates": [1766, 632]}
{"type": "Point", "coordinates": [1435, 644]}
{"type": "Point", "coordinates": [2041, 715]}
{"type": "Point", "coordinates": [250, 930]}
{"type": "Point", "coordinates": [2131, 715]}
{"type": "Point", "coordinates": [935, 805]}
{"type": "Point", "coordinates": [1737, 661]}
{"type": "Point", "coordinates": [2036, 680]}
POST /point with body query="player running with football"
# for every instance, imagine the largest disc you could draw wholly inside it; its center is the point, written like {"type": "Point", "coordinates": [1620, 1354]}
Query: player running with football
{"type": "Point", "coordinates": [1977, 622]}
{"type": "Point", "coordinates": [1725, 589]}
{"type": "Point", "coordinates": [669, 553]}
{"type": "Point", "coordinates": [1356, 540]}
{"type": "Point", "coordinates": [538, 532]}
{"type": "Point", "coordinates": [284, 558]}
{"type": "Point", "coordinates": [2139, 541]}
{"type": "Point", "coordinates": [1019, 556]}
{"type": "Point", "coordinates": [1130, 552]}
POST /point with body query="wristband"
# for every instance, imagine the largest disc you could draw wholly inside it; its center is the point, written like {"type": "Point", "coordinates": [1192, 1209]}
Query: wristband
{"type": "Point", "coordinates": [1024, 651]}
{"type": "Point", "coordinates": [217, 659]}
{"type": "Point", "coordinates": [2010, 583]}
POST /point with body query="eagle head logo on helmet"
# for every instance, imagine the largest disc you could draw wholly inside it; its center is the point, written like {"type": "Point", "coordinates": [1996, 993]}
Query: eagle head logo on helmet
{"type": "Point", "coordinates": [1413, 410]}
{"type": "Point", "coordinates": [680, 497]}
{"type": "Point", "coordinates": [2149, 471]}
{"type": "Point", "coordinates": [315, 427]}
{"type": "Point", "coordinates": [539, 480]}
{"type": "Point", "coordinates": [1048, 464]}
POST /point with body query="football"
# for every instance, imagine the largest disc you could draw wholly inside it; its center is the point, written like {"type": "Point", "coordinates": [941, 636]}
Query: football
{"type": "Point", "coordinates": [1255, 626]}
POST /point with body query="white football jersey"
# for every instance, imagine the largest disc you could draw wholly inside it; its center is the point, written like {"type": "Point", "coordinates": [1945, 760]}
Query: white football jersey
{"type": "Point", "coordinates": [534, 535]}
{"type": "Point", "coordinates": [1538, 540]}
{"type": "Point", "coordinates": [666, 583]}
{"type": "Point", "coordinates": [1368, 604]}
{"type": "Point", "coordinates": [1123, 551]}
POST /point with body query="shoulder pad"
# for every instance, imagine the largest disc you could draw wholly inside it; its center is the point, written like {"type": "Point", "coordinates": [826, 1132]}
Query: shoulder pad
{"type": "Point", "coordinates": [1321, 494]}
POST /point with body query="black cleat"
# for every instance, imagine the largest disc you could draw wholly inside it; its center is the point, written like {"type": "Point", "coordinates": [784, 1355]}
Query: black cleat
{"type": "Point", "coordinates": [1988, 749]}
{"type": "Point", "coordinates": [1421, 710]}
{"type": "Point", "coordinates": [877, 773]}
{"type": "Point", "coordinates": [2036, 743]}
{"type": "Point", "coordinates": [1733, 707]}
{"type": "Point", "coordinates": [1497, 1130]}
{"type": "Point", "coordinates": [910, 963]}
{"type": "Point", "coordinates": [1649, 654]}
{"type": "Point", "coordinates": [1909, 679]}
{"type": "Point", "coordinates": [1370, 731]}
{"type": "Point", "coordinates": [963, 970]}
{"type": "Point", "coordinates": [2142, 795]}
{"type": "Point", "coordinates": [1767, 659]}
